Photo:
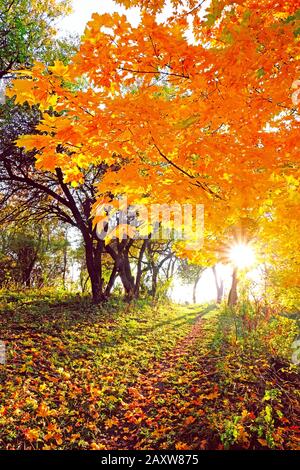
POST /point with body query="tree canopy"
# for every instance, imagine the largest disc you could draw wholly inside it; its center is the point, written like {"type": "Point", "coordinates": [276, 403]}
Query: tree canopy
{"type": "Point", "coordinates": [197, 108]}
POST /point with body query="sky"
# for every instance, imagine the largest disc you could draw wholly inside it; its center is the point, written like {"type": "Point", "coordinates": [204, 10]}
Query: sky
{"type": "Point", "coordinates": [83, 9]}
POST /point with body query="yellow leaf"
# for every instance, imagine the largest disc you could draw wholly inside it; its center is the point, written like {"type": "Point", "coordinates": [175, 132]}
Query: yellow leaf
{"type": "Point", "coordinates": [59, 69]}
{"type": "Point", "coordinates": [181, 446]}
{"type": "Point", "coordinates": [109, 423]}
{"type": "Point", "coordinates": [32, 434]}
{"type": "Point", "coordinates": [95, 446]}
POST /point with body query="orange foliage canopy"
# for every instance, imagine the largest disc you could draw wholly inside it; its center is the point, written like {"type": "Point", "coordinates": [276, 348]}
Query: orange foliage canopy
{"type": "Point", "coordinates": [197, 108]}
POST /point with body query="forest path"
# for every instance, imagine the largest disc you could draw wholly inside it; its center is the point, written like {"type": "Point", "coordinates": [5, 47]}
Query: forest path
{"type": "Point", "coordinates": [166, 400]}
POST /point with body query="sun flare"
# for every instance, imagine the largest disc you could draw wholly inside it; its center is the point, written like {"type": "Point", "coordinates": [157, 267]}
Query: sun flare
{"type": "Point", "coordinates": [242, 255]}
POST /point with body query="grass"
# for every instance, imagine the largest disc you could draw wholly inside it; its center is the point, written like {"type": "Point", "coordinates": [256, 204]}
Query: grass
{"type": "Point", "coordinates": [141, 376]}
{"type": "Point", "coordinates": [70, 363]}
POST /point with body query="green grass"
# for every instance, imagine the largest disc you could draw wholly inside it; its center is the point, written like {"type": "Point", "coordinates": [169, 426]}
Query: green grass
{"type": "Point", "coordinates": [70, 363]}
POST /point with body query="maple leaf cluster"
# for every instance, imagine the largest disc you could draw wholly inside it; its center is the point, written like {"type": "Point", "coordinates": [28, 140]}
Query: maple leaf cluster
{"type": "Point", "coordinates": [198, 108]}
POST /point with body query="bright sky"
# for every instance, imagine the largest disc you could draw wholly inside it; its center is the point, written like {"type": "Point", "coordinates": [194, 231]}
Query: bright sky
{"type": "Point", "coordinates": [83, 9]}
{"type": "Point", "coordinates": [206, 288]}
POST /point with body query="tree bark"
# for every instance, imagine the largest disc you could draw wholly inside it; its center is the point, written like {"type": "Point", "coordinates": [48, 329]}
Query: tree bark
{"type": "Point", "coordinates": [195, 288]}
{"type": "Point", "coordinates": [139, 269]}
{"type": "Point", "coordinates": [154, 282]}
{"type": "Point", "coordinates": [120, 255]}
{"type": "Point", "coordinates": [126, 277]}
{"type": "Point", "coordinates": [111, 281]}
{"type": "Point", "coordinates": [233, 296]}
{"type": "Point", "coordinates": [93, 265]}
{"type": "Point", "coordinates": [219, 286]}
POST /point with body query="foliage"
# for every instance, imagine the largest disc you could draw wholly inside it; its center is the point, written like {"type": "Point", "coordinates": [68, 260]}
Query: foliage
{"type": "Point", "coordinates": [254, 353]}
{"type": "Point", "coordinates": [189, 91]}
{"type": "Point", "coordinates": [32, 256]}
{"type": "Point", "coordinates": [189, 273]}
{"type": "Point", "coordinates": [27, 31]}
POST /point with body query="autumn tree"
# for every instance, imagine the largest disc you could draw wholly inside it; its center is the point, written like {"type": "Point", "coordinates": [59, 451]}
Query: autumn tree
{"type": "Point", "coordinates": [191, 274]}
{"type": "Point", "coordinates": [198, 108]}
{"type": "Point", "coordinates": [159, 266]}
{"type": "Point", "coordinates": [27, 31]}
{"type": "Point", "coordinates": [55, 199]}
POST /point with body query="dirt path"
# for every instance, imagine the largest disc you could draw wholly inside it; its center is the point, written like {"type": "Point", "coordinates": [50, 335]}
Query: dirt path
{"type": "Point", "coordinates": [201, 397]}
{"type": "Point", "coordinates": [159, 404]}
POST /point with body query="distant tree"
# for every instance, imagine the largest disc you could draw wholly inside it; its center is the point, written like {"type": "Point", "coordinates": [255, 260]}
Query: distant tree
{"type": "Point", "coordinates": [27, 31]}
{"type": "Point", "coordinates": [33, 255]}
{"type": "Point", "coordinates": [190, 274]}
{"type": "Point", "coordinates": [219, 285]}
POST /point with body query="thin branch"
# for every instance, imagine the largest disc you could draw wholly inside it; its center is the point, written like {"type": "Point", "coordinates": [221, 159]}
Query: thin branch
{"type": "Point", "coordinates": [160, 72]}
{"type": "Point", "coordinates": [34, 184]}
{"type": "Point", "coordinates": [198, 183]}
{"type": "Point", "coordinates": [193, 9]}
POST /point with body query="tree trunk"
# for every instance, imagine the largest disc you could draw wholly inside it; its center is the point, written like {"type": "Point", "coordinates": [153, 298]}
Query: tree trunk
{"type": "Point", "coordinates": [120, 255]}
{"type": "Point", "coordinates": [220, 292]}
{"type": "Point", "coordinates": [233, 296]}
{"type": "Point", "coordinates": [27, 265]}
{"type": "Point", "coordinates": [96, 283]}
{"type": "Point", "coordinates": [126, 277]}
{"type": "Point", "coordinates": [139, 269]}
{"type": "Point", "coordinates": [194, 292]}
{"type": "Point", "coordinates": [219, 286]}
{"type": "Point", "coordinates": [27, 278]}
{"type": "Point", "coordinates": [154, 282]}
{"type": "Point", "coordinates": [195, 289]}
{"type": "Point", "coordinates": [111, 281]}
{"type": "Point", "coordinates": [93, 265]}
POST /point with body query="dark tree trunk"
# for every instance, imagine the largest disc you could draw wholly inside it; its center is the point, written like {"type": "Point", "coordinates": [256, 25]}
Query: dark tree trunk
{"type": "Point", "coordinates": [111, 281]}
{"type": "Point", "coordinates": [27, 259]}
{"type": "Point", "coordinates": [154, 282]}
{"type": "Point", "coordinates": [126, 277]}
{"type": "Point", "coordinates": [120, 255]}
{"type": "Point", "coordinates": [94, 265]}
{"type": "Point", "coordinates": [139, 269]}
{"type": "Point", "coordinates": [27, 277]}
{"type": "Point", "coordinates": [233, 296]}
